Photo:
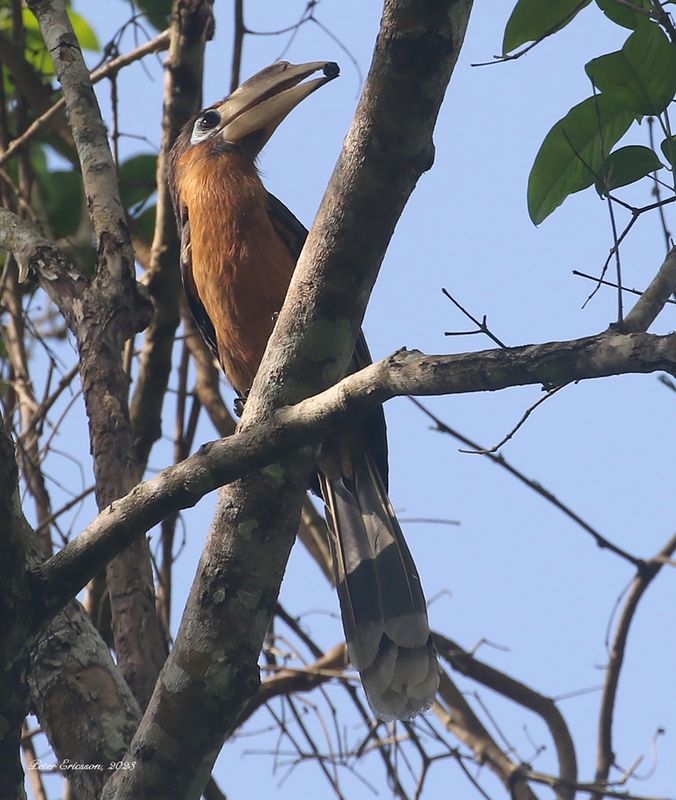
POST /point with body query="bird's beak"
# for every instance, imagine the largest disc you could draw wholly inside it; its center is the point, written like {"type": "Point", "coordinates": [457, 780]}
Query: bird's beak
{"type": "Point", "coordinates": [257, 107]}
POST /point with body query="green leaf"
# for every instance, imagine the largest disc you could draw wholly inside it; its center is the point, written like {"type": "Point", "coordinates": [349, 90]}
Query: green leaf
{"type": "Point", "coordinates": [137, 179]}
{"type": "Point", "coordinates": [143, 225]}
{"type": "Point", "coordinates": [36, 52]}
{"type": "Point", "coordinates": [531, 20]}
{"type": "Point", "coordinates": [84, 32]}
{"type": "Point", "coordinates": [621, 15]}
{"type": "Point", "coordinates": [668, 147]}
{"type": "Point", "coordinates": [572, 154]}
{"type": "Point", "coordinates": [627, 165]}
{"type": "Point", "coordinates": [156, 12]}
{"type": "Point", "coordinates": [642, 75]}
{"type": "Point", "coordinates": [62, 196]}
{"type": "Point", "coordinates": [60, 191]}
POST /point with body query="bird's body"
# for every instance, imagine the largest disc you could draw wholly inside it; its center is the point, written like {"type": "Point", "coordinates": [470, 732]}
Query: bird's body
{"type": "Point", "coordinates": [242, 273]}
{"type": "Point", "coordinates": [239, 247]}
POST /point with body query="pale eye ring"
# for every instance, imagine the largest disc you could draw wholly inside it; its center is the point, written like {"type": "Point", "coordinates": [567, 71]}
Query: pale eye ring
{"type": "Point", "coordinates": [205, 123]}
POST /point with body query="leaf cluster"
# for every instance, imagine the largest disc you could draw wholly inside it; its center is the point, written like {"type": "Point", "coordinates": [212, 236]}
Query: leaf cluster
{"type": "Point", "coordinates": [50, 158]}
{"type": "Point", "coordinates": [637, 81]}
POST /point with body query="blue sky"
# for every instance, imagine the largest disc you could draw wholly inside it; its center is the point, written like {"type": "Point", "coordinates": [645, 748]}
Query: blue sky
{"type": "Point", "coordinates": [515, 571]}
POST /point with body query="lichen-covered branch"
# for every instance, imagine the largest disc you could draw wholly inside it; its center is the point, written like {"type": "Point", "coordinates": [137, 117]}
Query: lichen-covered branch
{"type": "Point", "coordinates": [83, 703]}
{"type": "Point", "coordinates": [292, 427]}
{"type": "Point", "coordinates": [109, 308]}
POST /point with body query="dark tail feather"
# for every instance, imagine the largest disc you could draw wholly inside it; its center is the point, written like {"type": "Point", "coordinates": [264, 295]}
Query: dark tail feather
{"type": "Point", "coordinates": [381, 599]}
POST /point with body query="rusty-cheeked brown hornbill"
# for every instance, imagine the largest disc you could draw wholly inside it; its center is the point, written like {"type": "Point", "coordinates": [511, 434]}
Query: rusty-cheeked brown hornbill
{"type": "Point", "coordinates": [239, 247]}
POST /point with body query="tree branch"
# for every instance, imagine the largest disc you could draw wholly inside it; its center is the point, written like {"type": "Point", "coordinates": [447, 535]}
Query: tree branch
{"type": "Point", "coordinates": [605, 757]}
{"type": "Point", "coordinates": [292, 427]}
{"type": "Point", "coordinates": [653, 300]}
{"type": "Point", "coordinates": [458, 717]}
{"type": "Point", "coordinates": [15, 605]}
{"type": "Point", "coordinates": [159, 43]}
{"type": "Point", "coordinates": [108, 308]}
{"type": "Point", "coordinates": [468, 665]}
{"type": "Point", "coordinates": [81, 699]}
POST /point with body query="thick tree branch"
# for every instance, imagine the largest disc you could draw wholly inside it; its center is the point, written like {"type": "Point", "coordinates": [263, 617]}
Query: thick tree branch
{"type": "Point", "coordinates": [289, 428]}
{"type": "Point", "coordinates": [108, 309]}
{"type": "Point", "coordinates": [83, 703]}
{"type": "Point", "coordinates": [15, 601]}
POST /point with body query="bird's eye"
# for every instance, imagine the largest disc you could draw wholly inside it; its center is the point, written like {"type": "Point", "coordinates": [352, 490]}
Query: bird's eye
{"type": "Point", "coordinates": [205, 123]}
{"type": "Point", "coordinates": [209, 120]}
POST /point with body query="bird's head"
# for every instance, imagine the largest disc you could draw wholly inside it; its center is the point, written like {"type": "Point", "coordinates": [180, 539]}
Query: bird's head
{"type": "Point", "coordinates": [242, 123]}
{"type": "Point", "coordinates": [246, 119]}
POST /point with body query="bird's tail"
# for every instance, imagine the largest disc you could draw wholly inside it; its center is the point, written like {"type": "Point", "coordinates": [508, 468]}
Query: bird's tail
{"type": "Point", "coordinates": [381, 600]}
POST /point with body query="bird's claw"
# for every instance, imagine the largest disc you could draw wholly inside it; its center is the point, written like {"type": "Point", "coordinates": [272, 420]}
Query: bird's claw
{"type": "Point", "coordinates": [239, 404]}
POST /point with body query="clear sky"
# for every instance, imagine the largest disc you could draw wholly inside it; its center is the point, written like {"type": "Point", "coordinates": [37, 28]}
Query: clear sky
{"type": "Point", "coordinates": [515, 571]}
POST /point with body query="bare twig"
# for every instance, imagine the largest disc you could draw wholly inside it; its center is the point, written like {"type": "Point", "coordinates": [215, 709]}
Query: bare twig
{"type": "Point", "coordinates": [159, 43]}
{"type": "Point", "coordinates": [589, 788]}
{"type": "Point", "coordinates": [596, 279]}
{"type": "Point", "coordinates": [656, 188]}
{"type": "Point", "coordinates": [519, 424]}
{"type": "Point", "coordinates": [545, 707]}
{"type": "Point", "coordinates": [647, 572]}
{"type": "Point", "coordinates": [601, 541]}
{"type": "Point", "coordinates": [545, 35]}
{"type": "Point", "coordinates": [238, 40]}
{"type": "Point", "coordinates": [482, 327]}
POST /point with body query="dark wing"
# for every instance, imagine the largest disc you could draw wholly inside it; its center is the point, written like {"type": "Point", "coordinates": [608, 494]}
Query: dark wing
{"type": "Point", "coordinates": [293, 233]}
{"type": "Point", "coordinates": [194, 302]}
{"type": "Point", "coordinates": [289, 228]}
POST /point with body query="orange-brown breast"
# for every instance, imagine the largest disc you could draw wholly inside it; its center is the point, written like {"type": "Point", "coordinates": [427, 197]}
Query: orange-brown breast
{"type": "Point", "coordinates": [240, 265]}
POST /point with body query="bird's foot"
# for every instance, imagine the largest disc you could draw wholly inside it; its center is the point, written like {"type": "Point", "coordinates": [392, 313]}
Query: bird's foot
{"type": "Point", "coordinates": [239, 404]}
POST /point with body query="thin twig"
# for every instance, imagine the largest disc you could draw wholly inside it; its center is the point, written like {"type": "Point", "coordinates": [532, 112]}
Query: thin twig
{"type": "Point", "coordinates": [656, 187]}
{"type": "Point", "coordinates": [614, 285]}
{"type": "Point", "coordinates": [601, 541]}
{"type": "Point", "coordinates": [519, 424]}
{"type": "Point", "coordinates": [560, 24]}
{"type": "Point", "coordinates": [644, 577]}
{"type": "Point", "coordinates": [482, 327]}
{"type": "Point", "coordinates": [238, 40]}
{"type": "Point", "coordinates": [159, 43]}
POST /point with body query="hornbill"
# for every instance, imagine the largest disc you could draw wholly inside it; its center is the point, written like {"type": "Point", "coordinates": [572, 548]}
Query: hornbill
{"type": "Point", "coordinates": [239, 247]}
